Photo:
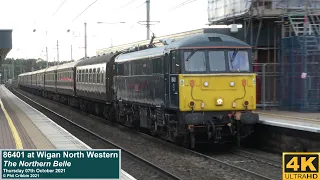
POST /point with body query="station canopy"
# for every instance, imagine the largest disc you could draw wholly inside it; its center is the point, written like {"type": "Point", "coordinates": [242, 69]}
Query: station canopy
{"type": "Point", "coordinates": [5, 43]}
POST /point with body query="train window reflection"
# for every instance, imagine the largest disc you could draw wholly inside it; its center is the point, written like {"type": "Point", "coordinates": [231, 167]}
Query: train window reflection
{"type": "Point", "coordinates": [238, 60]}
{"type": "Point", "coordinates": [195, 61]}
{"type": "Point", "coordinates": [217, 61]}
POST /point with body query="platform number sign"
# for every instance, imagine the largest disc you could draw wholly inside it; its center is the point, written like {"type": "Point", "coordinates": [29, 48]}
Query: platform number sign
{"type": "Point", "coordinates": [300, 166]}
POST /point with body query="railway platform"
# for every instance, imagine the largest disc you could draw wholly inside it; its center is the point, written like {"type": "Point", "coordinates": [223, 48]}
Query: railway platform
{"type": "Point", "coordinates": [23, 127]}
{"type": "Point", "coordinates": [292, 120]}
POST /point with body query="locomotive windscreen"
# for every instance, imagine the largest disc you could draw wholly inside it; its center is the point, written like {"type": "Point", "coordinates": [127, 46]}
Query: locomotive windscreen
{"type": "Point", "coordinates": [197, 61]}
{"type": "Point", "coordinates": [238, 61]}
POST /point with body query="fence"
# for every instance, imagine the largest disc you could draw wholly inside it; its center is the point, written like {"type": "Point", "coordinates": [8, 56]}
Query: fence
{"type": "Point", "coordinates": [287, 86]}
{"type": "Point", "coordinates": [268, 77]}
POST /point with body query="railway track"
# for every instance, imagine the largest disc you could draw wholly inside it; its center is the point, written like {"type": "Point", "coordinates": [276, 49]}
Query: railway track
{"type": "Point", "coordinates": [257, 157]}
{"type": "Point", "coordinates": [154, 172]}
{"type": "Point", "coordinates": [216, 159]}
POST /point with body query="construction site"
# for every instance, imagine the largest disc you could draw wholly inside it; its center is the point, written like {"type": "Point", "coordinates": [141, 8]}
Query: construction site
{"type": "Point", "coordinates": [284, 35]}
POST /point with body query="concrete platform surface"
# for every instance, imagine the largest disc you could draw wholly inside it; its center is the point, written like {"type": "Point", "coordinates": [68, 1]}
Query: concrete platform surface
{"type": "Point", "coordinates": [293, 120]}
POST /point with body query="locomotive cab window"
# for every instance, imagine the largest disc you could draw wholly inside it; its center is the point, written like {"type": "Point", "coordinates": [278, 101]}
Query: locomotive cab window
{"type": "Point", "coordinates": [217, 61]}
{"type": "Point", "coordinates": [195, 61]}
{"type": "Point", "coordinates": [238, 61]}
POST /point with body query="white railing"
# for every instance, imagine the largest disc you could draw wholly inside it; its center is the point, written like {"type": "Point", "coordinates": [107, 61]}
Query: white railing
{"type": "Point", "coordinates": [314, 29]}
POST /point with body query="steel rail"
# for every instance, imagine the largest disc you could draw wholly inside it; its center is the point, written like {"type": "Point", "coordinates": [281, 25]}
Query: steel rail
{"type": "Point", "coordinates": [256, 157]}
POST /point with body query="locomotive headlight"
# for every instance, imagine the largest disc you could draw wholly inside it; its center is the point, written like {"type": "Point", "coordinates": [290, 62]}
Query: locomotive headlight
{"type": "Point", "coordinates": [219, 101]}
{"type": "Point", "coordinates": [206, 84]}
{"type": "Point", "coordinates": [231, 83]}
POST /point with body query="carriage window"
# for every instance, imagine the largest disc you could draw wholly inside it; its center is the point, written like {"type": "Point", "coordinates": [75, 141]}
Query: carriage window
{"type": "Point", "coordinates": [217, 61]}
{"type": "Point", "coordinates": [94, 75]}
{"type": "Point", "coordinates": [98, 76]}
{"type": "Point", "coordinates": [82, 75]}
{"type": "Point", "coordinates": [238, 61]}
{"type": "Point", "coordinates": [90, 75]}
{"type": "Point", "coordinates": [102, 75]}
{"type": "Point", "coordinates": [195, 61]}
{"type": "Point", "coordinates": [120, 69]}
{"type": "Point", "coordinates": [86, 75]}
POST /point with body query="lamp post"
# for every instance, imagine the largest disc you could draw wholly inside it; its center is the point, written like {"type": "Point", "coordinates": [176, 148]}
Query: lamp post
{"type": "Point", "coordinates": [47, 59]}
{"type": "Point", "coordinates": [68, 31]}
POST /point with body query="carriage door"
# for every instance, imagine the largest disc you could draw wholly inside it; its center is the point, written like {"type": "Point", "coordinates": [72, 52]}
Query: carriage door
{"type": "Point", "coordinates": [108, 74]}
{"type": "Point", "coordinates": [166, 67]}
{"type": "Point", "coordinates": [172, 69]}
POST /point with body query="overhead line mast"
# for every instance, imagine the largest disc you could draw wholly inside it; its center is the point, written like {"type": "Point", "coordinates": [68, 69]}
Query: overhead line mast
{"type": "Point", "coordinates": [147, 23]}
{"type": "Point", "coordinates": [148, 19]}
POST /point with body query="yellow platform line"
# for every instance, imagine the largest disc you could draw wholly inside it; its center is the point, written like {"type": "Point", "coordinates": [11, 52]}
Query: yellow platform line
{"type": "Point", "coordinates": [292, 117]}
{"type": "Point", "coordinates": [13, 129]}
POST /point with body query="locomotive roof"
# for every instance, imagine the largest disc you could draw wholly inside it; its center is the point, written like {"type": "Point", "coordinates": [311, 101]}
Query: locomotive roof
{"type": "Point", "coordinates": [96, 60]}
{"type": "Point", "coordinates": [147, 53]}
{"type": "Point", "coordinates": [207, 39]}
{"type": "Point", "coordinates": [210, 40]}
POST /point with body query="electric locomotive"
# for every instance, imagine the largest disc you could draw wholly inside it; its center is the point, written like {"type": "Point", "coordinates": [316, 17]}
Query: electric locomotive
{"type": "Point", "coordinates": [198, 89]}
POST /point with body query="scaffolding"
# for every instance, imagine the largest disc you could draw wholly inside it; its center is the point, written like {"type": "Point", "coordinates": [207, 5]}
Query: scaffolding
{"type": "Point", "coordinates": [284, 37]}
{"type": "Point", "coordinates": [300, 61]}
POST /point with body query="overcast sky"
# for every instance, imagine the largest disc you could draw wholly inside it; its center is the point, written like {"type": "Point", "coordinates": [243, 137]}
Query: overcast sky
{"type": "Point", "coordinates": [25, 15]}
